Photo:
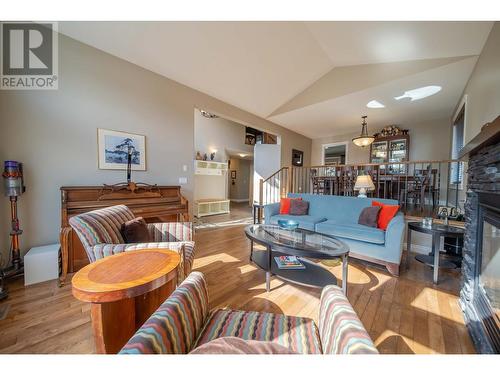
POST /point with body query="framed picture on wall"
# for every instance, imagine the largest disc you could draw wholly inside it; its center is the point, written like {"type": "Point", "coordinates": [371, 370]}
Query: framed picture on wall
{"type": "Point", "coordinates": [297, 158]}
{"type": "Point", "coordinates": [114, 146]}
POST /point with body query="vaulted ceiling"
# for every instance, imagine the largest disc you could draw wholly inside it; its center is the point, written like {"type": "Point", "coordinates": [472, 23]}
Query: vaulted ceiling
{"type": "Point", "coordinates": [312, 77]}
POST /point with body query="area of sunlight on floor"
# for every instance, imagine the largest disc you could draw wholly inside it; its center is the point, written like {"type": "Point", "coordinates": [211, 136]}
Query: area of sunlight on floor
{"type": "Point", "coordinates": [428, 300]}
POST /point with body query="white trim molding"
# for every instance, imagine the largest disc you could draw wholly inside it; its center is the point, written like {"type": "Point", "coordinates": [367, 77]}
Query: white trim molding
{"type": "Point", "coordinates": [326, 145]}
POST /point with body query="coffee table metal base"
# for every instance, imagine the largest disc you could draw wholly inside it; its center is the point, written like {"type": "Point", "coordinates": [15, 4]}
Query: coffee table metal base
{"type": "Point", "coordinates": [314, 275]}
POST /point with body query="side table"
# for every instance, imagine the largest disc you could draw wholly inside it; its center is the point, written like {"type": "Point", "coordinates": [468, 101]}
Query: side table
{"type": "Point", "coordinates": [436, 231]}
{"type": "Point", "coordinates": [124, 290]}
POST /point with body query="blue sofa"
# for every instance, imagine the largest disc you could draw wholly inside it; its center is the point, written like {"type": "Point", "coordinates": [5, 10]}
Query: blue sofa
{"type": "Point", "coordinates": [338, 216]}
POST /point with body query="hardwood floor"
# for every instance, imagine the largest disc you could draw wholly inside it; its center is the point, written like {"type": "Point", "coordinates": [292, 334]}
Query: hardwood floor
{"type": "Point", "coordinates": [403, 315]}
{"type": "Point", "coordinates": [240, 214]}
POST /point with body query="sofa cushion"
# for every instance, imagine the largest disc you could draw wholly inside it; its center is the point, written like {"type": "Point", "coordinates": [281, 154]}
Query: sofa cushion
{"type": "Point", "coordinates": [235, 345]}
{"type": "Point", "coordinates": [387, 212]}
{"type": "Point", "coordinates": [369, 216]}
{"type": "Point", "coordinates": [135, 231]}
{"type": "Point", "coordinates": [285, 205]}
{"type": "Point", "coordinates": [298, 207]}
{"type": "Point", "coordinates": [353, 231]}
{"type": "Point", "coordinates": [305, 221]}
{"type": "Point", "coordinates": [300, 335]}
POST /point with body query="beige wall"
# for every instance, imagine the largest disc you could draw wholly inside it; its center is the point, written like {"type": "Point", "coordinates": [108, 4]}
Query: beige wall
{"type": "Point", "coordinates": [430, 140]}
{"type": "Point", "coordinates": [483, 88]}
{"type": "Point", "coordinates": [219, 134]}
{"type": "Point", "coordinates": [54, 132]}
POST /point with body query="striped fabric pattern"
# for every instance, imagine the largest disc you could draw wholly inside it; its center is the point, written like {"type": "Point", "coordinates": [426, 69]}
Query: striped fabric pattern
{"type": "Point", "coordinates": [99, 232]}
{"type": "Point", "coordinates": [298, 334]}
{"type": "Point", "coordinates": [171, 232]}
{"type": "Point", "coordinates": [173, 328]}
{"type": "Point", "coordinates": [100, 226]}
{"type": "Point", "coordinates": [340, 329]}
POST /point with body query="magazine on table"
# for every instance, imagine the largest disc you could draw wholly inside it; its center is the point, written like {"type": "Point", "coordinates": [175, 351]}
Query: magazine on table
{"type": "Point", "coordinates": [289, 263]}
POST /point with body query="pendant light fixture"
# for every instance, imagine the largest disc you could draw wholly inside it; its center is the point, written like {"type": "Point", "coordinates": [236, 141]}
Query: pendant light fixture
{"type": "Point", "coordinates": [364, 139]}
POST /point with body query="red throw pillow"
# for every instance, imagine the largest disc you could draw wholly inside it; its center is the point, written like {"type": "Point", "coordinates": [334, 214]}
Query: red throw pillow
{"type": "Point", "coordinates": [387, 212]}
{"type": "Point", "coordinates": [285, 205]}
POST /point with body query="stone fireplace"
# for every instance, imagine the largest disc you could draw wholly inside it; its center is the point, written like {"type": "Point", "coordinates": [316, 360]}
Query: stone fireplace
{"type": "Point", "coordinates": [480, 290]}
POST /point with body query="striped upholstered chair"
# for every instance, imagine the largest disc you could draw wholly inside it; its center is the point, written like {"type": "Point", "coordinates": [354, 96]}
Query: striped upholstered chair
{"type": "Point", "coordinates": [184, 322]}
{"type": "Point", "coordinates": [99, 232]}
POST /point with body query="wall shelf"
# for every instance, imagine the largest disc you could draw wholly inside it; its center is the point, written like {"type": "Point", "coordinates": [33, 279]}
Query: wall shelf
{"type": "Point", "coordinates": [207, 207]}
{"type": "Point", "coordinates": [209, 168]}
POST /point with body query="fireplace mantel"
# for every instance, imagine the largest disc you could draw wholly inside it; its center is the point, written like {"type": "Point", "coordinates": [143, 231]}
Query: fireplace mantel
{"type": "Point", "coordinates": [489, 134]}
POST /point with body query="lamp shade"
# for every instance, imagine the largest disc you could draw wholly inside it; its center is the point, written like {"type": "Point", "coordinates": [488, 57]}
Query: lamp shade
{"type": "Point", "coordinates": [364, 182]}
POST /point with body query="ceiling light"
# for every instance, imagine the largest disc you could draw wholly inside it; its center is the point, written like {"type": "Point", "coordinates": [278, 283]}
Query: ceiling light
{"type": "Point", "coordinates": [364, 139]}
{"type": "Point", "coordinates": [242, 155]}
{"type": "Point", "coordinates": [420, 93]}
{"type": "Point", "coordinates": [375, 104]}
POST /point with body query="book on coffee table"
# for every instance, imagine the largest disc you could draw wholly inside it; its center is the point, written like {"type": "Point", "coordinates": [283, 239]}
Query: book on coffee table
{"type": "Point", "coordinates": [289, 263]}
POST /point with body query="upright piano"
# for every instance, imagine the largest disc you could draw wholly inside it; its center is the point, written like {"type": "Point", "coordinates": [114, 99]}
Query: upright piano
{"type": "Point", "coordinates": [154, 203]}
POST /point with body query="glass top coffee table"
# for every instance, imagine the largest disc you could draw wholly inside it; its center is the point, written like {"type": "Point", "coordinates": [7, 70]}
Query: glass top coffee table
{"type": "Point", "coordinates": [302, 243]}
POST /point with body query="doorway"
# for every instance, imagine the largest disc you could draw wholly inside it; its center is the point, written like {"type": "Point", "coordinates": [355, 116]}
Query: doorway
{"type": "Point", "coordinates": [334, 153]}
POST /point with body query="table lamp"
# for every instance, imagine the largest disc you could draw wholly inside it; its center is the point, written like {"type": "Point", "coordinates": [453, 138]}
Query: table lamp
{"type": "Point", "coordinates": [363, 183]}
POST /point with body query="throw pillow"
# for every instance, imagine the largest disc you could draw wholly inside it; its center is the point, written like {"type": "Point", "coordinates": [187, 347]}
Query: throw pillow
{"type": "Point", "coordinates": [135, 231]}
{"type": "Point", "coordinates": [387, 212]}
{"type": "Point", "coordinates": [369, 216]}
{"type": "Point", "coordinates": [285, 205]}
{"type": "Point", "coordinates": [299, 207]}
{"type": "Point", "coordinates": [236, 345]}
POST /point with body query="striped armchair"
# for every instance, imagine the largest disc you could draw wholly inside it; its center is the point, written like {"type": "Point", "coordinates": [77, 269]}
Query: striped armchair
{"type": "Point", "coordinates": [99, 232]}
{"type": "Point", "coordinates": [184, 322]}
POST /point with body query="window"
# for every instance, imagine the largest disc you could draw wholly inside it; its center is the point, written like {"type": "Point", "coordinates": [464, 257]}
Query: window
{"type": "Point", "coordinates": [457, 142]}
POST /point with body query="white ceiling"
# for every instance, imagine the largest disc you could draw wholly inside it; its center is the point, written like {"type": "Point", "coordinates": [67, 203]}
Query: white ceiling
{"type": "Point", "coordinates": [311, 77]}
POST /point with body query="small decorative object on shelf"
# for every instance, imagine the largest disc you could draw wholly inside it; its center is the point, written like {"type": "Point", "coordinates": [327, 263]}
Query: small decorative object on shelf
{"type": "Point", "coordinates": [390, 131]}
{"type": "Point", "coordinates": [212, 156]}
{"type": "Point", "coordinates": [205, 157]}
{"type": "Point", "coordinates": [427, 222]}
{"type": "Point", "coordinates": [198, 155]}
{"type": "Point", "coordinates": [13, 188]}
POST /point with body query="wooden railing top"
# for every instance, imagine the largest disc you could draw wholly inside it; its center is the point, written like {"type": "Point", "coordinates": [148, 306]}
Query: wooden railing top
{"type": "Point", "coordinates": [387, 163]}
{"type": "Point", "coordinates": [355, 165]}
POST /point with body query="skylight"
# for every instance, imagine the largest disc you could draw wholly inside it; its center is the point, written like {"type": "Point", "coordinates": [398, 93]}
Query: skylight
{"type": "Point", "coordinates": [375, 104]}
{"type": "Point", "coordinates": [420, 93]}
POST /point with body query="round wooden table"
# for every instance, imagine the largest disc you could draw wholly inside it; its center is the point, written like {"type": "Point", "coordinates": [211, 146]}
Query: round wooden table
{"type": "Point", "coordinates": [124, 290]}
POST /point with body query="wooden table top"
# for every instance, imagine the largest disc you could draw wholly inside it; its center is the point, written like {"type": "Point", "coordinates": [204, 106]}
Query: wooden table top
{"type": "Point", "coordinates": [125, 275]}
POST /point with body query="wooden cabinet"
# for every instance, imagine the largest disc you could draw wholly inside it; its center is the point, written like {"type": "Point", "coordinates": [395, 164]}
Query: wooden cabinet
{"type": "Point", "coordinates": [209, 168]}
{"type": "Point", "coordinates": [391, 149]}
{"type": "Point", "coordinates": [207, 207]}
